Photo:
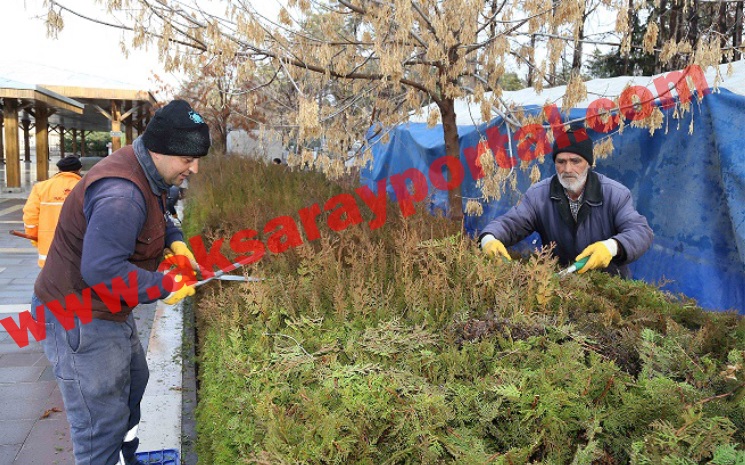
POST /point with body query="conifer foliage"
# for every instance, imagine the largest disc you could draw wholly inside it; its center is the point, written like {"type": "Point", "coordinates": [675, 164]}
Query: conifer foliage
{"type": "Point", "coordinates": [405, 345]}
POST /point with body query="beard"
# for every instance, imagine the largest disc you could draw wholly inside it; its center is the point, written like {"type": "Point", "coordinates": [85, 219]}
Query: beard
{"type": "Point", "coordinates": [574, 183]}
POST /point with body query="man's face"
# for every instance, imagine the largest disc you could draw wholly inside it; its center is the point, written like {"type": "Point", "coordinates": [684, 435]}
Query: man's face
{"type": "Point", "coordinates": [175, 169]}
{"type": "Point", "coordinates": [572, 171]}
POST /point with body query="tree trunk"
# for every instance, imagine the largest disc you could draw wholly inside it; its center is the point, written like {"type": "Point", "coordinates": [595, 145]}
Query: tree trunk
{"type": "Point", "coordinates": [674, 32]}
{"type": "Point", "coordinates": [552, 66]}
{"type": "Point", "coordinates": [662, 36]}
{"type": "Point", "coordinates": [577, 58]}
{"type": "Point", "coordinates": [493, 26]}
{"type": "Point", "coordinates": [452, 149]}
{"type": "Point", "coordinates": [531, 62]}
{"type": "Point", "coordinates": [632, 26]}
{"type": "Point", "coordinates": [664, 23]}
{"type": "Point", "coordinates": [737, 37]}
{"type": "Point", "coordinates": [221, 144]}
{"type": "Point", "coordinates": [722, 26]}
{"type": "Point", "coordinates": [694, 32]}
{"type": "Point", "coordinates": [676, 19]}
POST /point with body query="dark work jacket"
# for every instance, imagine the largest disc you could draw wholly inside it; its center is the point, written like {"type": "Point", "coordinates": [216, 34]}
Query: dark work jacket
{"type": "Point", "coordinates": [607, 211]}
{"type": "Point", "coordinates": [61, 275]}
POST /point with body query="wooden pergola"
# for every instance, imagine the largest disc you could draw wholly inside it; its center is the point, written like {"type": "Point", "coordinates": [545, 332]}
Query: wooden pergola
{"type": "Point", "coordinates": [66, 108]}
{"type": "Point", "coordinates": [39, 103]}
{"type": "Point", "coordinates": [109, 110]}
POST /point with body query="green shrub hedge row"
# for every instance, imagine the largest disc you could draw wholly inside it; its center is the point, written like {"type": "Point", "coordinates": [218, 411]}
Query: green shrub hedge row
{"type": "Point", "coordinates": [405, 345]}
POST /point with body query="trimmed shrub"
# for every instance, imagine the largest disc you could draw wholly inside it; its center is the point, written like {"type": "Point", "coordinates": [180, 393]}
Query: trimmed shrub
{"type": "Point", "coordinates": [405, 345]}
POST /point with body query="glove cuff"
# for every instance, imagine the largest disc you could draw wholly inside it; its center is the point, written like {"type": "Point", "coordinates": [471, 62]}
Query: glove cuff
{"type": "Point", "coordinates": [612, 246]}
{"type": "Point", "coordinates": [486, 239]}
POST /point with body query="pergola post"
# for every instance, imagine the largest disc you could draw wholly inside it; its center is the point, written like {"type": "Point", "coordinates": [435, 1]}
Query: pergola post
{"type": "Point", "coordinates": [26, 125]}
{"type": "Point", "coordinates": [74, 141]}
{"type": "Point", "coordinates": [2, 142]}
{"type": "Point", "coordinates": [82, 142]}
{"type": "Point", "coordinates": [61, 141]}
{"type": "Point", "coordinates": [42, 142]}
{"type": "Point", "coordinates": [128, 125]}
{"type": "Point", "coordinates": [13, 167]}
{"type": "Point", "coordinates": [116, 127]}
{"type": "Point", "coordinates": [140, 121]}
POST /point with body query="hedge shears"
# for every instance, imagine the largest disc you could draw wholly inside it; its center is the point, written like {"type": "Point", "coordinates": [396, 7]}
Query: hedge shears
{"type": "Point", "coordinates": [576, 266]}
{"type": "Point", "coordinates": [228, 277]}
{"type": "Point", "coordinates": [219, 275]}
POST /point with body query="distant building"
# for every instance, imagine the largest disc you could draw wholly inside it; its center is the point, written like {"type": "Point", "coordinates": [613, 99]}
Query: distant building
{"type": "Point", "coordinates": [266, 145]}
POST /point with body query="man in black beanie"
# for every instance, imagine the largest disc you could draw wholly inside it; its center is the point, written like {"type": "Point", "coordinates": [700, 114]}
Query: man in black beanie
{"type": "Point", "coordinates": [105, 255]}
{"type": "Point", "coordinates": [70, 164]}
{"type": "Point", "coordinates": [582, 213]}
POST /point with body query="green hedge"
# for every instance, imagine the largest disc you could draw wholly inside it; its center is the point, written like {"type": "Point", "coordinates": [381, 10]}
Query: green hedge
{"type": "Point", "coordinates": [405, 345]}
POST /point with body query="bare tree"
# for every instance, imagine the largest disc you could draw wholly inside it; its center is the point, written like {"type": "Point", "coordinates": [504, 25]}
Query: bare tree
{"type": "Point", "coordinates": [357, 64]}
{"type": "Point", "coordinates": [225, 102]}
{"type": "Point", "coordinates": [676, 33]}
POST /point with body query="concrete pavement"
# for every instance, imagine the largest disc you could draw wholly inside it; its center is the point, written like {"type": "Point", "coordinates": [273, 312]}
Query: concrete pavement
{"type": "Point", "coordinates": [33, 426]}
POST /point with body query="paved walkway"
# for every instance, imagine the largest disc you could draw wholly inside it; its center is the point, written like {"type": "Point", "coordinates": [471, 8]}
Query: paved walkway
{"type": "Point", "coordinates": [33, 426]}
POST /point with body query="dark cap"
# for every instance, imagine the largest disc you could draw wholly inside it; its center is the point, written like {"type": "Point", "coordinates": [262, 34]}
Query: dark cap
{"type": "Point", "coordinates": [176, 129]}
{"type": "Point", "coordinates": [71, 163]}
{"type": "Point", "coordinates": [576, 141]}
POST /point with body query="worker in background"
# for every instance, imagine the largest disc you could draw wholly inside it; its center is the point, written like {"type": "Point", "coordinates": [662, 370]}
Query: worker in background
{"type": "Point", "coordinates": [582, 213]}
{"type": "Point", "coordinates": [172, 198]}
{"type": "Point", "coordinates": [42, 209]}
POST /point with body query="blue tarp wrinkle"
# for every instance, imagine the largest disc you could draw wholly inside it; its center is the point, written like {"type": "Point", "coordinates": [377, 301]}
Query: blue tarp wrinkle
{"type": "Point", "coordinates": [691, 188]}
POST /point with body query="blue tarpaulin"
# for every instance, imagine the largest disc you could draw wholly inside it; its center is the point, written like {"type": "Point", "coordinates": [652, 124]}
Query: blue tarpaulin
{"type": "Point", "coordinates": [690, 187]}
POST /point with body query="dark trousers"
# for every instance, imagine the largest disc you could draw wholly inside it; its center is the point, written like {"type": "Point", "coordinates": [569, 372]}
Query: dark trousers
{"type": "Point", "coordinates": [101, 371]}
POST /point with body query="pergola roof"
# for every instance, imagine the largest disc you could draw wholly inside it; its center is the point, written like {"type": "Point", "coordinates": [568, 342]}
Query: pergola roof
{"type": "Point", "coordinates": [97, 101]}
{"type": "Point", "coordinates": [64, 100]}
{"type": "Point", "coordinates": [29, 93]}
{"type": "Point", "coordinates": [82, 101]}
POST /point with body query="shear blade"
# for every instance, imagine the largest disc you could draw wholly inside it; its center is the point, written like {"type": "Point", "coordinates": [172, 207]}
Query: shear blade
{"type": "Point", "coordinates": [567, 271]}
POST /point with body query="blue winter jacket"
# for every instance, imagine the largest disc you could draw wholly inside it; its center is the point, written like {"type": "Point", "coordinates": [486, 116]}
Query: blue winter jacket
{"type": "Point", "coordinates": [606, 212]}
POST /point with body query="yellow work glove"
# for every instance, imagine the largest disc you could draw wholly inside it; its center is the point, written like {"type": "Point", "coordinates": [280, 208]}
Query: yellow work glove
{"type": "Point", "coordinates": [600, 253]}
{"type": "Point", "coordinates": [495, 247]}
{"type": "Point", "coordinates": [180, 248]}
{"type": "Point", "coordinates": [35, 244]}
{"type": "Point", "coordinates": [187, 289]}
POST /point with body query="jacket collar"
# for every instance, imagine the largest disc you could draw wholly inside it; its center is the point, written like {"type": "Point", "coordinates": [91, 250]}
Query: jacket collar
{"type": "Point", "coordinates": [593, 191]}
{"type": "Point", "coordinates": [157, 183]}
{"type": "Point", "coordinates": [67, 174]}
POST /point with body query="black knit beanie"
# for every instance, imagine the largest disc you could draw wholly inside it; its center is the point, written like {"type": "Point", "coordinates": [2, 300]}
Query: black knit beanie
{"type": "Point", "coordinates": [71, 163]}
{"type": "Point", "coordinates": [583, 148]}
{"type": "Point", "coordinates": [176, 129]}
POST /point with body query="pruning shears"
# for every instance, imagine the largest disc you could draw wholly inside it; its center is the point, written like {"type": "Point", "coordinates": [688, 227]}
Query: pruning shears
{"type": "Point", "coordinates": [576, 266]}
{"type": "Point", "coordinates": [228, 277]}
{"type": "Point", "coordinates": [220, 275]}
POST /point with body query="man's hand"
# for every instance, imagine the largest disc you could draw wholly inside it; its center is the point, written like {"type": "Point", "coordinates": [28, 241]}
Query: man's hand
{"type": "Point", "coordinates": [180, 248]}
{"type": "Point", "coordinates": [601, 253]}
{"type": "Point", "coordinates": [35, 244]}
{"type": "Point", "coordinates": [495, 247]}
{"type": "Point", "coordinates": [187, 289]}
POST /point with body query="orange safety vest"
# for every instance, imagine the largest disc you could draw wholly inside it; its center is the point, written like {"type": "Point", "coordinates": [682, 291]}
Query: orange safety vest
{"type": "Point", "coordinates": [42, 209]}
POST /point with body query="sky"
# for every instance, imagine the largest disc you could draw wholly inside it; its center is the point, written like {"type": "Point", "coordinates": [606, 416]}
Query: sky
{"type": "Point", "coordinates": [81, 47]}
{"type": "Point", "coordinates": [87, 49]}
